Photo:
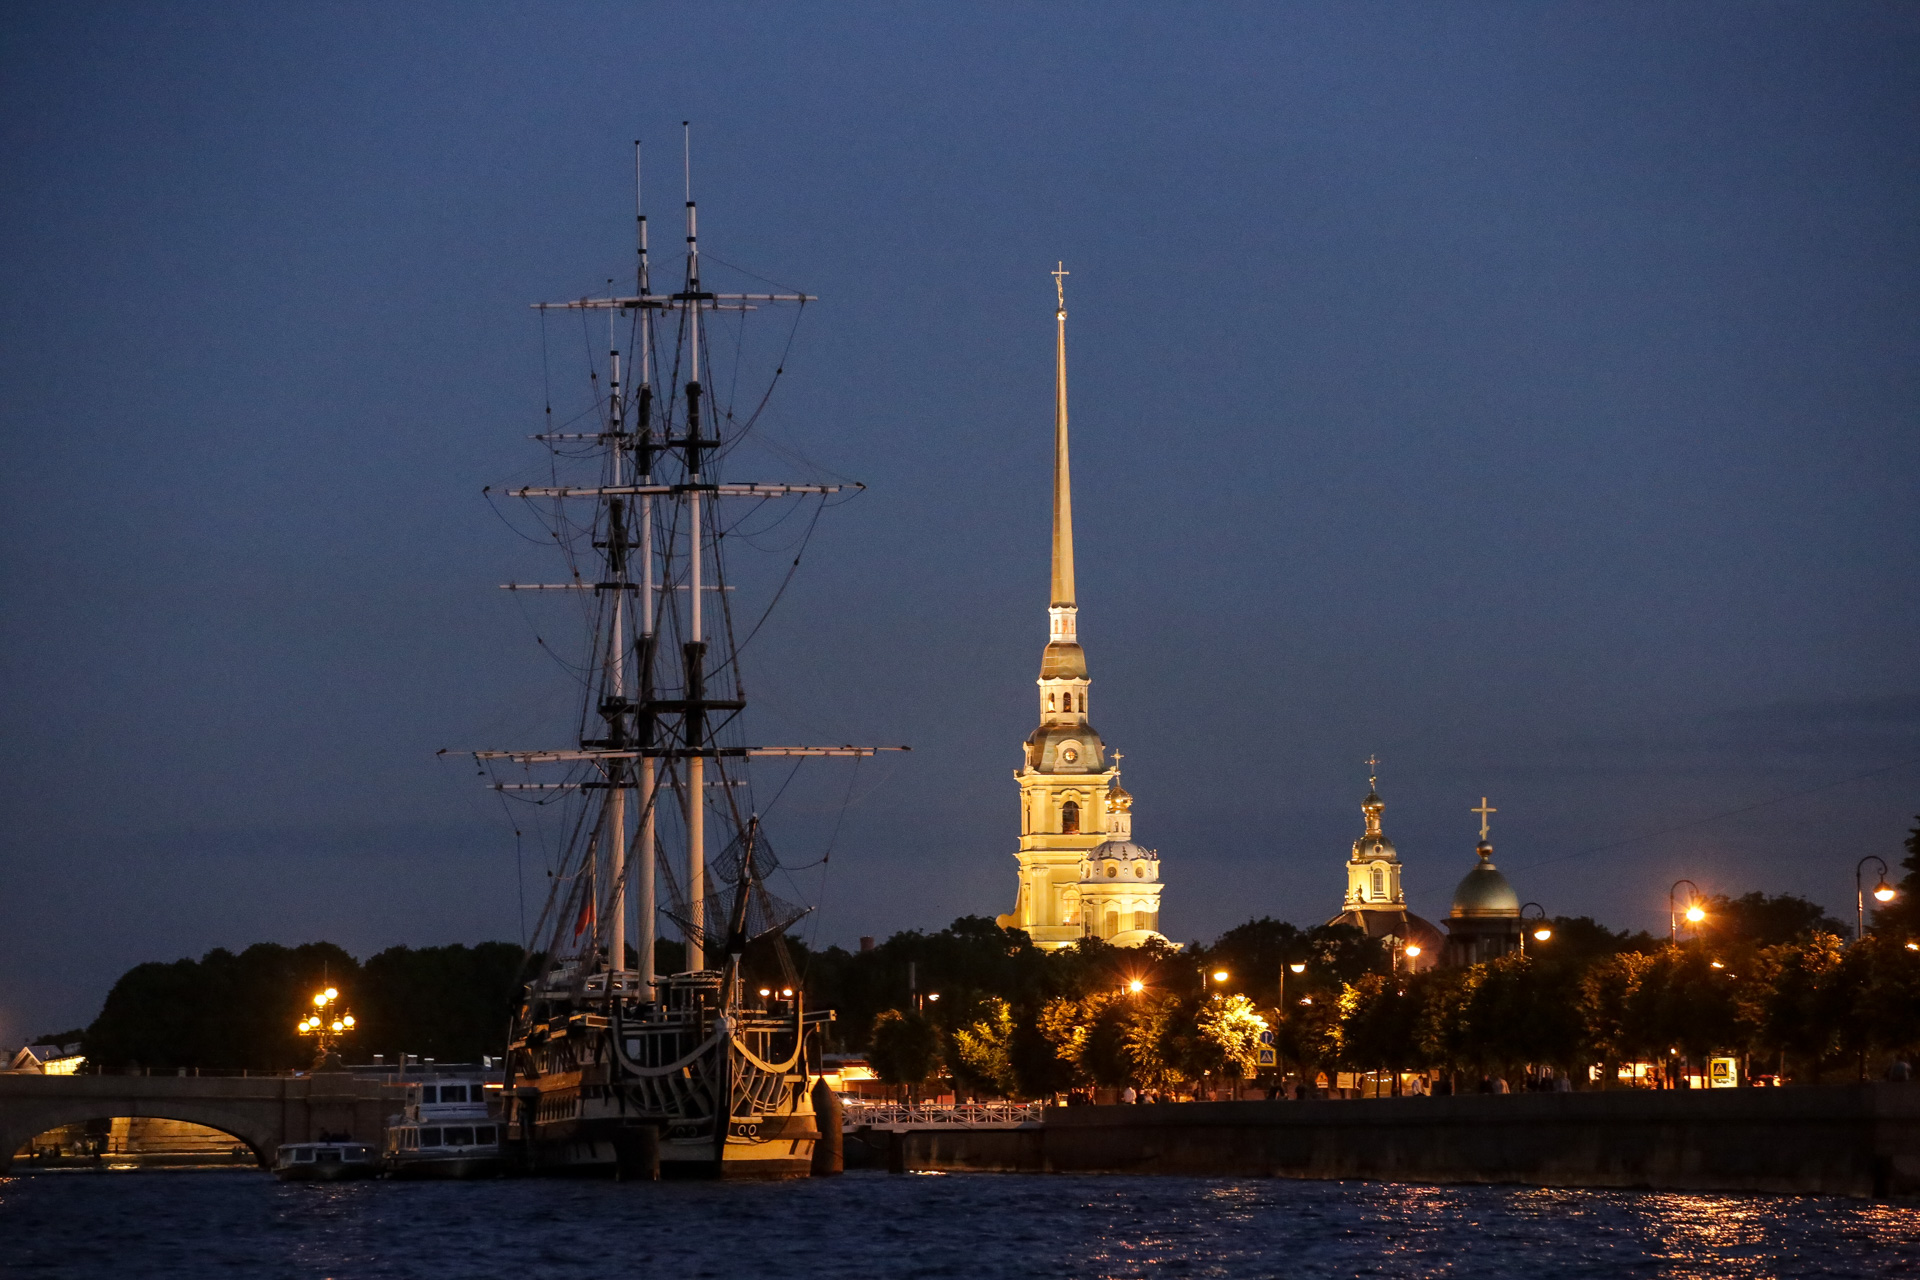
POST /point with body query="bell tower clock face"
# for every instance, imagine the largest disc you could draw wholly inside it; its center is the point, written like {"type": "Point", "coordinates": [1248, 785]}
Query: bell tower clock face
{"type": "Point", "coordinates": [1070, 753]}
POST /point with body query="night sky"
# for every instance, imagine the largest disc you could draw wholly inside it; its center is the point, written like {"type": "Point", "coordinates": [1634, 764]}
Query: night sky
{"type": "Point", "coordinates": [1526, 394]}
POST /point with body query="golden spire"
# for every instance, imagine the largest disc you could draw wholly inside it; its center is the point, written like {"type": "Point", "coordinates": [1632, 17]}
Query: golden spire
{"type": "Point", "coordinates": [1062, 477]}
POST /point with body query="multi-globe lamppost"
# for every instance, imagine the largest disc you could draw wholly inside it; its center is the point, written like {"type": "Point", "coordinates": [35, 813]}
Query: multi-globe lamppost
{"type": "Point", "coordinates": [326, 1024]}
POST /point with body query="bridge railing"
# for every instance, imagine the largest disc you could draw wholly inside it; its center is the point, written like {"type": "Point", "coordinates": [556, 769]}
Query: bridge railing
{"type": "Point", "coordinates": [857, 1114]}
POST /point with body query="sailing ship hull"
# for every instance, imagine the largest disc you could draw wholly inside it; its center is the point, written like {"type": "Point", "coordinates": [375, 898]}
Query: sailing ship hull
{"type": "Point", "coordinates": [638, 1099]}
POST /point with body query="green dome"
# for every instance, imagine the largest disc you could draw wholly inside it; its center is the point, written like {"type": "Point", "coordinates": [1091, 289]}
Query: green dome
{"type": "Point", "coordinates": [1484, 891]}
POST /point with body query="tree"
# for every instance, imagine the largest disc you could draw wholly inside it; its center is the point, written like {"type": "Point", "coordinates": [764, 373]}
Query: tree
{"type": "Point", "coordinates": [1767, 920]}
{"type": "Point", "coordinates": [1379, 1025]}
{"type": "Point", "coordinates": [985, 1049]}
{"type": "Point", "coordinates": [1227, 1032]}
{"type": "Point", "coordinates": [1901, 917]}
{"type": "Point", "coordinates": [906, 1049]}
{"type": "Point", "coordinates": [1607, 992]}
{"type": "Point", "coordinates": [1791, 1006]}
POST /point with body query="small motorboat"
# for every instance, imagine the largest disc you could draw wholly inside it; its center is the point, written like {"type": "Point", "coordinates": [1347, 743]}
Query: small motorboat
{"type": "Point", "coordinates": [326, 1161]}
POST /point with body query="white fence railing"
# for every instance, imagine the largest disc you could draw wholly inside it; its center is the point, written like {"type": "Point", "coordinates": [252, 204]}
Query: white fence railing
{"type": "Point", "coordinates": [970, 1115]}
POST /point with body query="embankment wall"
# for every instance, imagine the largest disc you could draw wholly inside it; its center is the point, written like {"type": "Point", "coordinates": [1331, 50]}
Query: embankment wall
{"type": "Point", "coordinates": [1850, 1140]}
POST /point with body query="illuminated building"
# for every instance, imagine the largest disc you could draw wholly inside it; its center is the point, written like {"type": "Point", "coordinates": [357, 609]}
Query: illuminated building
{"type": "Point", "coordinates": [1080, 873]}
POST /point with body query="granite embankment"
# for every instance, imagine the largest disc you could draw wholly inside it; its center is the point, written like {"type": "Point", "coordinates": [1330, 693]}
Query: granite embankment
{"type": "Point", "coordinates": [1850, 1140]}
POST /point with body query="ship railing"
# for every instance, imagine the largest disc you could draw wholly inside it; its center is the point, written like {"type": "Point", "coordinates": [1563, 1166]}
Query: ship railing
{"type": "Point", "coordinates": [857, 1114]}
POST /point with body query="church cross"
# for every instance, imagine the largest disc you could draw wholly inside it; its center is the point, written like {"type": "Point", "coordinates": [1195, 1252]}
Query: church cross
{"type": "Point", "coordinates": [1373, 769]}
{"type": "Point", "coordinates": [1485, 810]}
{"type": "Point", "coordinates": [1118, 756]}
{"type": "Point", "coordinates": [1060, 284]}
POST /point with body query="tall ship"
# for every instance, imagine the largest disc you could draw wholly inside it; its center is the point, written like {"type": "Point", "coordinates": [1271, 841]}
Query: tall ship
{"type": "Point", "coordinates": [612, 1067]}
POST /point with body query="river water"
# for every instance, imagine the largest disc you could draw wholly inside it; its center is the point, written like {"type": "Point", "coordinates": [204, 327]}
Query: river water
{"type": "Point", "coordinates": [875, 1227]}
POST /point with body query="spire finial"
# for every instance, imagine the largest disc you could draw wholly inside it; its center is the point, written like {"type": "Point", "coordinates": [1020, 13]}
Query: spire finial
{"type": "Point", "coordinates": [1060, 274]}
{"type": "Point", "coordinates": [1485, 811]}
{"type": "Point", "coordinates": [1117, 757]}
{"type": "Point", "coordinates": [1373, 772]}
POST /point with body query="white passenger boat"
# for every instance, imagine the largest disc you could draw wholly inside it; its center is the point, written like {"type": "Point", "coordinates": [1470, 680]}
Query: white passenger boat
{"type": "Point", "coordinates": [450, 1129]}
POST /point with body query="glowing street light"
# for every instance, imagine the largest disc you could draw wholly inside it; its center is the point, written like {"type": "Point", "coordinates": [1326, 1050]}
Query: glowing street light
{"type": "Point", "coordinates": [1541, 930]}
{"type": "Point", "coordinates": [1882, 892]}
{"type": "Point", "coordinates": [326, 1023]}
{"type": "Point", "coordinates": [1135, 986]}
{"type": "Point", "coordinates": [1694, 913]}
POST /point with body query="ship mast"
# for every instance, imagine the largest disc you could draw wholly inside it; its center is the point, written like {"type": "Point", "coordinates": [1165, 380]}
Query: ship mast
{"type": "Point", "coordinates": [638, 752]}
{"type": "Point", "coordinates": [694, 720]}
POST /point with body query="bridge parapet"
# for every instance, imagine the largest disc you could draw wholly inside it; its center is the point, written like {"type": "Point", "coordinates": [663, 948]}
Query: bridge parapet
{"type": "Point", "coordinates": [261, 1111]}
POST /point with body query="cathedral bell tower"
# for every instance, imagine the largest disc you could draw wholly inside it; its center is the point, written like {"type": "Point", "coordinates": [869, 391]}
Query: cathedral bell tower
{"type": "Point", "coordinates": [1064, 777]}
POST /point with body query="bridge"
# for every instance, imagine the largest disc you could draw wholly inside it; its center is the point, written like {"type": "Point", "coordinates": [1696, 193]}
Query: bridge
{"type": "Point", "coordinates": [260, 1111]}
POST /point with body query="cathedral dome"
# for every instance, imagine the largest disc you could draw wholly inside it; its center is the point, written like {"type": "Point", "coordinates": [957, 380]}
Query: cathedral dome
{"type": "Point", "coordinates": [1063, 660]}
{"type": "Point", "coordinates": [1066, 748]}
{"type": "Point", "coordinates": [1484, 891]}
{"type": "Point", "coordinates": [1117, 860]}
{"type": "Point", "coordinates": [1374, 846]}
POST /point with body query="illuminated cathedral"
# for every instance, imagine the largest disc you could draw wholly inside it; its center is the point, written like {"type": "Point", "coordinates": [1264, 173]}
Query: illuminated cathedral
{"type": "Point", "coordinates": [1080, 873]}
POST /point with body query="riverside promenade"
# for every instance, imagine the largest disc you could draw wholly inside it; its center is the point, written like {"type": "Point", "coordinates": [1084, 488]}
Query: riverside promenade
{"type": "Point", "coordinates": [1859, 1140]}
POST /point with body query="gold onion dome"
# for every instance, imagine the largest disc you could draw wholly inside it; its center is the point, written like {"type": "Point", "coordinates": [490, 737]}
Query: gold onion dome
{"type": "Point", "coordinates": [1484, 891]}
{"type": "Point", "coordinates": [1373, 843]}
{"type": "Point", "coordinates": [1119, 799]}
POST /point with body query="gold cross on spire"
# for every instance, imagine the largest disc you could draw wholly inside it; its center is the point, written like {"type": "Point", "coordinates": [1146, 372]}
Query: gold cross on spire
{"type": "Point", "coordinates": [1485, 811]}
{"type": "Point", "coordinates": [1117, 758]}
{"type": "Point", "coordinates": [1060, 274]}
{"type": "Point", "coordinates": [1373, 772]}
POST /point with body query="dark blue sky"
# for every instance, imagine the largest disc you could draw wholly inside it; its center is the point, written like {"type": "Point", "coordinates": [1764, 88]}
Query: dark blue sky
{"type": "Point", "coordinates": [1524, 393]}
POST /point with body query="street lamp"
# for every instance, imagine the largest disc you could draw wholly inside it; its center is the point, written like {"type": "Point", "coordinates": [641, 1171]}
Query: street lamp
{"type": "Point", "coordinates": [1541, 929]}
{"type": "Point", "coordinates": [1297, 968]}
{"type": "Point", "coordinates": [1694, 913]}
{"type": "Point", "coordinates": [1882, 892]}
{"type": "Point", "coordinates": [1135, 986]}
{"type": "Point", "coordinates": [326, 1023]}
{"type": "Point", "coordinates": [1219, 976]}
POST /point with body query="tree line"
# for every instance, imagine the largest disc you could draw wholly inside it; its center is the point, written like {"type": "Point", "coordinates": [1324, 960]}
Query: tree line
{"type": "Point", "coordinates": [231, 1011]}
{"type": "Point", "coordinates": [1770, 979]}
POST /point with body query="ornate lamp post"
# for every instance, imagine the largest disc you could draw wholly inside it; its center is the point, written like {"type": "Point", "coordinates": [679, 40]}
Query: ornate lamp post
{"type": "Point", "coordinates": [1694, 912]}
{"type": "Point", "coordinates": [1218, 975]}
{"type": "Point", "coordinates": [1541, 929]}
{"type": "Point", "coordinates": [326, 1024]}
{"type": "Point", "coordinates": [1882, 892]}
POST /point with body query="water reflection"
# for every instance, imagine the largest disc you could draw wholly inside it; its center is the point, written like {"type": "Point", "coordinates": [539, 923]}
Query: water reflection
{"type": "Point", "coordinates": [979, 1227]}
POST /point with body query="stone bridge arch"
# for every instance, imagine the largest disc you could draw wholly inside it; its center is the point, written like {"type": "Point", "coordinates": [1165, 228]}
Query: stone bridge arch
{"type": "Point", "coordinates": [260, 1111]}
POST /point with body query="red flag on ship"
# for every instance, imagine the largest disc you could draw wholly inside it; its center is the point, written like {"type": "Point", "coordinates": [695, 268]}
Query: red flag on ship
{"type": "Point", "coordinates": [585, 921]}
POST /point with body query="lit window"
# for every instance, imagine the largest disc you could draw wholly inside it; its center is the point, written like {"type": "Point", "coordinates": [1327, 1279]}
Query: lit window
{"type": "Point", "coordinates": [1070, 818]}
{"type": "Point", "coordinates": [1379, 882]}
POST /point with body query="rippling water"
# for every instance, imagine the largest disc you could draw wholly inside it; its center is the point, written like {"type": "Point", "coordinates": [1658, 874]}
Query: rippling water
{"type": "Point", "coordinates": [244, 1223]}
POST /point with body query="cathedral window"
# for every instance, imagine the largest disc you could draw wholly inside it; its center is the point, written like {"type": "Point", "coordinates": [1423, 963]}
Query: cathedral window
{"type": "Point", "coordinates": [1140, 920]}
{"type": "Point", "coordinates": [1379, 882]}
{"type": "Point", "coordinates": [1070, 818]}
{"type": "Point", "coordinates": [1049, 702]}
{"type": "Point", "coordinates": [1112, 871]}
{"type": "Point", "coordinates": [1113, 924]}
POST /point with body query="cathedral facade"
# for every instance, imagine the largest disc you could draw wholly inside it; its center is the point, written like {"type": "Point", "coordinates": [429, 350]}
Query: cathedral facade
{"type": "Point", "coordinates": [1080, 873]}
